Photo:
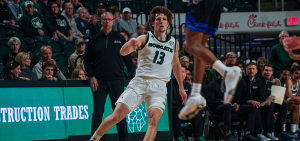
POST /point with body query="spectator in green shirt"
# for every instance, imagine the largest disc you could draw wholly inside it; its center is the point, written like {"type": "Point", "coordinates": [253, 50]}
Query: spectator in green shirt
{"type": "Point", "coordinates": [278, 56]}
{"type": "Point", "coordinates": [37, 7]}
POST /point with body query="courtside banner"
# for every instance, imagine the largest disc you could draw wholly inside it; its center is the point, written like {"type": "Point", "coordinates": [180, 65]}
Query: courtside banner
{"type": "Point", "coordinates": [45, 112]}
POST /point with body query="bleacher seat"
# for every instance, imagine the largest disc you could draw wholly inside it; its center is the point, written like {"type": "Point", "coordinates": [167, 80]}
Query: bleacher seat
{"type": "Point", "coordinates": [3, 42]}
{"type": "Point", "coordinates": [24, 45]}
{"type": "Point", "coordinates": [56, 46]}
{"type": "Point", "coordinates": [3, 50]}
{"type": "Point", "coordinates": [61, 62]}
{"type": "Point", "coordinates": [3, 33]}
{"type": "Point", "coordinates": [1, 70]}
{"type": "Point", "coordinates": [69, 48]}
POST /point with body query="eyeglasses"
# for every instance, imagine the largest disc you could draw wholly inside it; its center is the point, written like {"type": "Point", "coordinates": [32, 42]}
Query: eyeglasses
{"type": "Point", "coordinates": [184, 62]}
{"type": "Point", "coordinates": [283, 36]}
{"type": "Point", "coordinates": [107, 20]}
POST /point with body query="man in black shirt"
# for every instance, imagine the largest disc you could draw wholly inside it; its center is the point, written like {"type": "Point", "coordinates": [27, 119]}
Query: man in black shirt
{"type": "Point", "coordinates": [104, 65]}
{"type": "Point", "coordinates": [215, 101]}
{"type": "Point", "coordinates": [250, 91]}
{"type": "Point", "coordinates": [270, 108]}
{"type": "Point", "coordinates": [177, 105]}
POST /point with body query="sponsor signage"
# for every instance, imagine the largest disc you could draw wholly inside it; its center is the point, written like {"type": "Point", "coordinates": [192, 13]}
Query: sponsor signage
{"type": "Point", "coordinates": [44, 113]}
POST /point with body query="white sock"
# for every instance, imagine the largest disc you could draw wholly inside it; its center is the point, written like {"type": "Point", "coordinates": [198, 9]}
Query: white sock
{"type": "Point", "coordinates": [95, 137]}
{"type": "Point", "coordinates": [293, 128]}
{"type": "Point", "coordinates": [283, 127]}
{"type": "Point", "coordinates": [196, 88]}
{"type": "Point", "coordinates": [219, 67]}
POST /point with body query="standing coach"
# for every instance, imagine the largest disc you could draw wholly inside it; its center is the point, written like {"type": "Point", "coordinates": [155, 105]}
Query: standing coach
{"type": "Point", "coordinates": [104, 66]}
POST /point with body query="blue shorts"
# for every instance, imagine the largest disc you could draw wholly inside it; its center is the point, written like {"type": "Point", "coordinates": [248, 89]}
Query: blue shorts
{"type": "Point", "coordinates": [204, 16]}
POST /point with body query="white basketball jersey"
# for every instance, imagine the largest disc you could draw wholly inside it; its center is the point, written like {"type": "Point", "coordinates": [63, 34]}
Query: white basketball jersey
{"type": "Point", "coordinates": [155, 58]}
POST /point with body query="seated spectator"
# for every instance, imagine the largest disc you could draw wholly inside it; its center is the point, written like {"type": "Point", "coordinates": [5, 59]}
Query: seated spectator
{"type": "Point", "coordinates": [126, 22]}
{"type": "Point", "coordinates": [116, 14]}
{"type": "Point", "coordinates": [261, 62]}
{"type": "Point", "coordinates": [46, 55]}
{"type": "Point", "coordinates": [12, 71]}
{"type": "Point", "coordinates": [95, 20]}
{"type": "Point", "coordinates": [250, 91]}
{"type": "Point", "coordinates": [23, 59]}
{"type": "Point", "coordinates": [271, 108]}
{"type": "Point", "coordinates": [188, 77]}
{"type": "Point", "coordinates": [230, 59]}
{"type": "Point", "coordinates": [177, 105]}
{"type": "Point", "coordinates": [208, 78]}
{"type": "Point", "coordinates": [148, 26]}
{"type": "Point", "coordinates": [185, 61]}
{"type": "Point", "coordinates": [15, 10]}
{"type": "Point", "coordinates": [35, 24]}
{"type": "Point", "coordinates": [292, 99]}
{"type": "Point", "coordinates": [44, 6]}
{"type": "Point", "coordinates": [135, 58]}
{"type": "Point", "coordinates": [242, 65]}
{"type": "Point", "coordinates": [83, 24]}
{"type": "Point", "coordinates": [78, 74]}
{"type": "Point", "coordinates": [215, 101]}
{"type": "Point", "coordinates": [285, 74]}
{"type": "Point", "coordinates": [14, 44]}
{"type": "Point", "coordinates": [139, 31]}
{"type": "Point", "coordinates": [4, 13]}
{"type": "Point", "coordinates": [67, 13]}
{"type": "Point", "coordinates": [293, 63]}
{"type": "Point", "coordinates": [36, 6]}
{"type": "Point", "coordinates": [60, 4]}
{"type": "Point", "coordinates": [80, 49]}
{"type": "Point", "coordinates": [76, 6]}
{"type": "Point", "coordinates": [125, 34]}
{"type": "Point", "coordinates": [48, 71]}
{"type": "Point", "coordinates": [101, 8]}
{"type": "Point", "coordinates": [59, 23]}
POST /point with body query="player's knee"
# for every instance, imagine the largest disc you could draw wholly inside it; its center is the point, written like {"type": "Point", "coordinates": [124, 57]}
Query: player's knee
{"type": "Point", "coordinates": [152, 122]}
{"type": "Point", "coordinates": [116, 118]}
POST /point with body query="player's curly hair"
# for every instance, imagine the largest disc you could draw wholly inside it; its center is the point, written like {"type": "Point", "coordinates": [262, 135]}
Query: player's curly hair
{"type": "Point", "coordinates": [160, 10]}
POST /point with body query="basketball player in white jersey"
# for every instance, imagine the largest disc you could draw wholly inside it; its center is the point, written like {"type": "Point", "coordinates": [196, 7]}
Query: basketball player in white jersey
{"type": "Point", "coordinates": [291, 95]}
{"type": "Point", "coordinates": [202, 20]}
{"type": "Point", "coordinates": [157, 55]}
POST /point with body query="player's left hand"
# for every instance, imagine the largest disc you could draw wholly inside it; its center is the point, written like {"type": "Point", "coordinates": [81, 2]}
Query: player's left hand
{"type": "Point", "coordinates": [183, 96]}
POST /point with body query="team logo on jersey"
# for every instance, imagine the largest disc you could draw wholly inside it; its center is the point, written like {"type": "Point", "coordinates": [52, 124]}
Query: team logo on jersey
{"type": "Point", "coordinates": [36, 22]}
{"type": "Point", "coordinates": [171, 43]}
{"type": "Point", "coordinates": [119, 42]}
{"type": "Point", "coordinates": [160, 47]}
{"type": "Point", "coordinates": [61, 23]}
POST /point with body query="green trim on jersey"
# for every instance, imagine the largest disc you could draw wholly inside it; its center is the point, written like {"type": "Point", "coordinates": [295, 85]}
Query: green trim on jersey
{"type": "Point", "coordinates": [146, 40]}
{"type": "Point", "coordinates": [169, 37]}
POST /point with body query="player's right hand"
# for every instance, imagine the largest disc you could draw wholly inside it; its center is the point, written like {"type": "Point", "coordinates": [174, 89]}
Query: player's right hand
{"type": "Point", "coordinates": [134, 43]}
{"type": "Point", "coordinates": [94, 84]}
{"type": "Point", "coordinates": [183, 96]}
{"type": "Point", "coordinates": [291, 43]}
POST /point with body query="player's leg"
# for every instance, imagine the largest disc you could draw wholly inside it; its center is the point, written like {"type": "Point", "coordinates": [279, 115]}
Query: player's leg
{"type": "Point", "coordinates": [153, 118]}
{"type": "Point", "coordinates": [195, 102]}
{"type": "Point", "coordinates": [119, 113]}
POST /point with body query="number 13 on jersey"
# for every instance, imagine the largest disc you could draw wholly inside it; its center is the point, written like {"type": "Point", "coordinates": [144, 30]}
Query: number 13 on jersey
{"type": "Point", "coordinates": [161, 57]}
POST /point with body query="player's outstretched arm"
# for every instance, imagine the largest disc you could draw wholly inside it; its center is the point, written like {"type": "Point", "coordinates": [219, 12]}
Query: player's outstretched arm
{"type": "Point", "coordinates": [291, 43]}
{"type": "Point", "coordinates": [178, 74]}
{"type": "Point", "coordinates": [133, 44]}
